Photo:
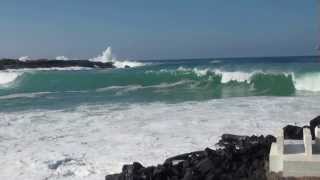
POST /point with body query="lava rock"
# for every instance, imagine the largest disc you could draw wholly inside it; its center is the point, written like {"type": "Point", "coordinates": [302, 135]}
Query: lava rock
{"type": "Point", "coordinates": [45, 63]}
{"type": "Point", "coordinates": [129, 172]}
{"type": "Point", "coordinates": [293, 132]}
{"type": "Point", "coordinates": [313, 124]}
{"type": "Point", "coordinates": [238, 157]}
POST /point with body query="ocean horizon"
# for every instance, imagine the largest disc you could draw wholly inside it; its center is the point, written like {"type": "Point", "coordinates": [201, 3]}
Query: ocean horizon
{"type": "Point", "coordinates": [184, 90]}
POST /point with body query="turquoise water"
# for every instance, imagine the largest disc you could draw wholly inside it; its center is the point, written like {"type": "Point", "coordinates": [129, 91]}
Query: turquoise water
{"type": "Point", "coordinates": [97, 120]}
{"type": "Point", "coordinates": [170, 81]}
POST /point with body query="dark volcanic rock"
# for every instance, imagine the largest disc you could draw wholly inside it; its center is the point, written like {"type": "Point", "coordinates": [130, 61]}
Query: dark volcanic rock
{"type": "Point", "coordinates": [239, 157]}
{"type": "Point", "coordinates": [45, 63]}
{"type": "Point", "coordinates": [313, 124]}
{"type": "Point", "coordinates": [293, 132]}
{"type": "Point", "coordinates": [296, 132]}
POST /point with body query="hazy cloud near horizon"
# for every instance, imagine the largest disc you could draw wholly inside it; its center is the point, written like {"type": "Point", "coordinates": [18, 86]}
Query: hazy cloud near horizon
{"type": "Point", "coordinates": [158, 29]}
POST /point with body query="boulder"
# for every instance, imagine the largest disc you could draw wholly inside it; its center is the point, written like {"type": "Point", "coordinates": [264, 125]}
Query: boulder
{"type": "Point", "coordinates": [129, 172]}
{"type": "Point", "coordinates": [313, 124]}
{"type": "Point", "coordinates": [293, 132]}
{"type": "Point", "coordinates": [238, 157]}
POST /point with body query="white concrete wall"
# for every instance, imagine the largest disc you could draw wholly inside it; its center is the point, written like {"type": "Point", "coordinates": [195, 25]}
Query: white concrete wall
{"type": "Point", "coordinates": [317, 133]}
{"type": "Point", "coordinates": [301, 168]}
{"type": "Point", "coordinates": [307, 139]}
{"type": "Point", "coordinates": [276, 153]}
{"type": "Point", "coordinates": [275, 160]}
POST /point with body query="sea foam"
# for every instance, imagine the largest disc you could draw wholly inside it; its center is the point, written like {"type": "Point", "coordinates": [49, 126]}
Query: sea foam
{"type": "Point", "coordinates": [308, 82]}
{"type": "Point", "coordinates": [90, 141]}
{"type": "Point", "coordinates": [8, 77]}
{"type": "Point", "coordinates": [302, 81]}
{"type": "Point", "coordinates": [62, 58]}
{"type": "Point", "coordinates": [108, 57]}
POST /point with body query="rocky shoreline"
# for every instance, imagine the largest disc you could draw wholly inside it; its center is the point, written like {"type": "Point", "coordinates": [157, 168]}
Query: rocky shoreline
{"type": "Point", "coordinates": [45, 63]}
{"type": "Point", "coordinates": [236, 158]}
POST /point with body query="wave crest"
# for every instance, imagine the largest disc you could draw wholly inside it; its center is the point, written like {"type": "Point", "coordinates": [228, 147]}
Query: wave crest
{"type": "Point", "coordinates": [8, 77]}
{"type": "Point", "coordinates": [308, 82]}
{"type": "Point", "coordinates": [107, 56]}
{"type": "Point", "coordinates": [62, 58]}
{"type": "Point", "coordinates": [289, 80]}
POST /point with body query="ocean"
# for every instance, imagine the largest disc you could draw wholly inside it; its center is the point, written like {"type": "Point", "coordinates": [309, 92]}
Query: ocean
{"type": "Point", "coordinates": [82, 123]}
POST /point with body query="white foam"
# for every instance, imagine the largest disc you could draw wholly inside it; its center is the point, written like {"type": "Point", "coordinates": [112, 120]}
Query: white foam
{"type": "Point", "coordinates": [226, 76]}
{"type": "Point", "coordinates": [105, 57]}
{"type": "Point", "coordinates": [101, 138]}
{"type": "Point", "coordinates": [24, 58]}
{"type": "Point", "coordinates": [308, 82]}
{"type": "Point", "coordinates": [7, 77]}
{"type": "Point", "coordinates": [124, 64]}
{"type": "Point", "coordinates": [128, 88]}
{"type": "Point", "coordinates": [72, 68]}
{"type": "Point", "coordinates": [62, 58]}
{"type": "Point", "coordinates": [24, 95]}
{"type": "Point", "coordinates": [199, 72]}
{"type": "Point", "coordinates": [234, 76]}
{"type": "Point", "coordinates": [303, 82]}
{"type": "Point", "coordinates": [215, 61]}
{"type": "Point", "coordinates": [108, 57]}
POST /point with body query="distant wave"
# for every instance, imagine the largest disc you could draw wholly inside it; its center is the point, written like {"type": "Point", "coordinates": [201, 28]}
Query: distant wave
{"type": "Point", "coordinates": [108, 57]}
{"type": "Point", "coordinates": [303, 82]}
{"type": "Point", "coordinates": [8, 77]}
{"type": "Point", "coordinates": [137, 87]}
{"type": "Point", "coordinates": [62, 58]}
{"type": "Point", "coordinates": [200, 82]}
{"type": "Point", "coordinates": [72, 68]}
{"type": "Point", "coordinates": [24, 95]}
{"type": "Point", "coordinates": [226, 76]}
{"type": "Point", "coordinates": [24, 58]}
{"type": "Point", "coordinates": [215, 61]}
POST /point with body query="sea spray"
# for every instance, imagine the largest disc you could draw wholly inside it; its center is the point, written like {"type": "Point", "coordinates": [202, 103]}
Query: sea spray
{"type": "Point", "coordinates": [308, 82]}
{"type": "Point", "coordinates": [62, 58]}
{"type": "Point", "coordinates": [107, 56]}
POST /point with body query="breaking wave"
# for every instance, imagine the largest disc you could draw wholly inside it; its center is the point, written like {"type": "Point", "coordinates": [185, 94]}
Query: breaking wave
{"type": "Point", "coordinates": [259, 79]}
{"type": "Point", "coordinates": [308, 82]}
{"type": "Point", "coordinates": [62, 58]}
{"type": "Point", "coordinates": [8, 77]}
{"type": "Point", "coordinates": [137, 87]}
{"type": "Point", "coordinates": [108, 57]}
{"type": "Point", "coordinates": [162, 84]}
{"type": "Point", "coordinates": [24, 58]}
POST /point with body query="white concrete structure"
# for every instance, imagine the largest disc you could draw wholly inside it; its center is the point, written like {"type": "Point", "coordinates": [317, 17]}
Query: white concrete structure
{"type": "Point", "coordinates": [296, 158]}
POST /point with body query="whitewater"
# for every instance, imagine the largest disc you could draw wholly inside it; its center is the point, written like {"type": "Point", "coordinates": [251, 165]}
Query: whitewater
{"type": "Point", "coordinates": [84, 123]}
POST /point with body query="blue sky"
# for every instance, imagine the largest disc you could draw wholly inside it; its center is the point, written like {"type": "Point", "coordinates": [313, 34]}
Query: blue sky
{"type": "Point", "coordinates": [150, 29]}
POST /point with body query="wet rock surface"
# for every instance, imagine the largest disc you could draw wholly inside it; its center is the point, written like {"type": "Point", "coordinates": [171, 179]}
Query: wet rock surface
{"type": "Point", "coordinates": [237, 157]}
{"type": "Point", "coordinates": [45, 63]}
{"type": "Point", "coordinates": [296, 132]}
{"type": "Point", "coordinates": [313, 124]}
{"type": "Point", "coordinates": [293, 132]}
